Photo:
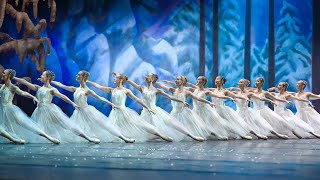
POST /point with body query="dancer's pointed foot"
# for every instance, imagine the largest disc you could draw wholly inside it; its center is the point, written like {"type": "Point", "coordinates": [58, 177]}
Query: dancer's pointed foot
{"type": "Point", "coordinates": [94, 140]}
{"type": "Point", "coordinates": [263, 137]}
{"type": "Point", "coordinates": [224, 138]}
{"type": "Point", "coordinates": [246, 137]}
{"type": "Point", "coordinates": [315, 135]}
{"type": "Point", "coordinates": [166, 138]}
{"type": "Point", "coordinates": [53, 140]}
{"type": "Point", "coordinates": [197, 138]}
{"type": "Point", "coordinates": [128, 140]}
{"type": "Point", "coordinates": [19, 141]}
{"type": "Point", "coordinates": [296, 134]}
{"type": "Point", "coordinates": [283, 136]}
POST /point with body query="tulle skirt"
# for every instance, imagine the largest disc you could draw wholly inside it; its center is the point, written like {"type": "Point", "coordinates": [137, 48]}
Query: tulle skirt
{"type": "Point", "coordinates": [279, 124]}
{"type": "Point", "coordinates": [213, 121]}
{"type": "Point", "coordinates": [57, 124]}
{"type": "Point", "coordinates": [16, 123]}
{"type": "Point", "coordinates": [299, 126]}
{"type": "Point", "coordinates": [192, 122]}
{"type": "Point", "coordinates": [132, 125]}
{"type": "Point", "coordinates": [238, 126]}
{"type": "Point", "coordinates": [95, 124]}
{"type": "Point", "coordinates": [311, 117]}
{"type": "Point", "coordinates": [256, 122]}
{"type": "Point", "coordinates": [165, 123]}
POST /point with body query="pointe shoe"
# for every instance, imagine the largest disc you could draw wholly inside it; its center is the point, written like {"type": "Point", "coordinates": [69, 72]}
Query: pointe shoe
{"type": "Point", "coordinates": [169, 139]}
{"type": "Point", "coordinates": [128, 140]}
{"type": "Point", "coordinates": [263, 137]}
{"type": "Point", "coordinates": [197, 138]}
{"type": "Point", "coordinates": [223, 138]}
{"type": "Point", "coordinates": [94, 140]}
{"type": "Point", "coordinates": [284, 137]}
{"type": "Point", "coordinates": [55, 141]}
{"type": "Point", "coordinates": [246, 137]}
{"type": "Point", "coordinates": [20, 141]}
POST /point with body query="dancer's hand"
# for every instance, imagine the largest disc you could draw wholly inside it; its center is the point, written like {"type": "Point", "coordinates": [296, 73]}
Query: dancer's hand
{"type": "Point", "coordinates": [231, 99]}
{"type": "Point", "coordinates": [150, 110]}
{"type": "Point", "coordinates": [115, 107]}
{"type": "Point", "coordinates": [76, 106]}
{"type": "Point", "coordinates": [116, 74]}
{"type": "Point", "coordinates": [273, 103]}
{"type": "Point", "coordinates": [271, 89]}
{"type": "Point", "coordinates": [166, 81]}
{"type": "Point", "coordinates": [186, 104]}
{"type": "Point", "coordinates": [289, 102]}
{"type": "Point", "coordinates": [212, 105]}
{"type": "Point", "coordinates": [35, 101]}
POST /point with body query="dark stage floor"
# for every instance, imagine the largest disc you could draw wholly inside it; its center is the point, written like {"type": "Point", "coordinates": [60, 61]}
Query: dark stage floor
{"type": "Point", "coordinates": [236, 159]}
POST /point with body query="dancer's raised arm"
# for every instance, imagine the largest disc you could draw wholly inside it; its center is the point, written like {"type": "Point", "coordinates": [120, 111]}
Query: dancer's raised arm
{"type": "Point", "coordinates": [188, 93]}
{"type": "Point", "coordinates": [312, 96]}
{"type": "Point", "coordinates": [98, 86]}
{"type": "Point", "coordinates": [34, 87]}
{"type": "Point", "coordinates": [169, 89]}
{"type": "Point", "coordinates": [272, 96]}
{"type": "Point", "coordinates": [55, 92]}
{"type": "Point", "coordinates": [172, 98]}
{"type": "Point", "coordinates": [93, 94]}
{"type": "Point", "coordinates": [135, 98]}
{"type": "Point", "coordinates": [68, 88]}
{"type": "Point", "coordinates": [135, 85]}
{"type": "Point", "coordinates": [290, 96]}
{"type": "Point", "coordinates": [24, 93]}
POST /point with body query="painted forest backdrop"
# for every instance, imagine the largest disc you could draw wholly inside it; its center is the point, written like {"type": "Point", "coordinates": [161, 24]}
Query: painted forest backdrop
{"type": "Point", "coordinates": [136, 37]}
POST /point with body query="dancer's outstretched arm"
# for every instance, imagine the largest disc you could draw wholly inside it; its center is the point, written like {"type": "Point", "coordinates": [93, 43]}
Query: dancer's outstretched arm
{"type": "Point", "coordinates": [135, 85]}
{"type": "Point", "coordinates": [34, 87]}
{"type": "Point", "coordinates": [210, 93]}
{"type": "Point", "coordinates": [169, 89]}
{"type": "Point", "coordinates": [192, 85]}
{"type": "Point", "coordinates": [93, 94]}
{"type": "Point", "coordinates": [198, 98]}
{"type": "Point", "coordinates": [312, 96]}
{"type": "Point", "coordinates": [290, 96]}
{"type": "Point", "coordinates": [55, 92]}
{"type": "Point", "coordinates": [171, 97]}
{"type": "Point", "coordinates": [68, 88]}
{"type": "Point", "coordinates": [272, 96]}
{"type": "Point", "coordinates": [192, 88]}
{"type": "Point", "coordinates": [252, 95]}
{"type": "Point", "coordinates": [135, 98]}
{"type": "Point", "coordinates": [24, 93]}
{"type": "Point", "coordinates": [231, 94]}
{"type": "Point", "coordinates": [98, 86]}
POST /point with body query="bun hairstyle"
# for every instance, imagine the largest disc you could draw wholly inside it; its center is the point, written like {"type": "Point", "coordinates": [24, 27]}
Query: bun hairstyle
{"type": "Point", "coordinates": [261, 79]}
{"type": "Point", "coordinates": [204, 79]}
{"type": "Point", "coordinates": [85, 74]}
{"type": "Point", "coordinates": [223, 79]}
{"type": "Point", "coordinates": [304, 83]}
{"type": "Point", "coordinates": [51, 75]}
{"type": "Point", "coordinates": [184, 80]}
{"type": "Point", "coordinates": [155, 78]}
{"type": "Point", "coordinates": [124, 78]}
{"type": "Point", "coordinates": [12, 73]}
{"type": "Point", "coordinates": [246, 82]}
{"type": "Point", "coordinates": [286, 85]}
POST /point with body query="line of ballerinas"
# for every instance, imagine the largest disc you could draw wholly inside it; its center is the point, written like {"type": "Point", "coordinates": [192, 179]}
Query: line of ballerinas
{"type": "Point", "coordinates": [207, 120]}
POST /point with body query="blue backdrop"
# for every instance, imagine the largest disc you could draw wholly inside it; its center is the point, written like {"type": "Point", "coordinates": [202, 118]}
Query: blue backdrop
{"type": "Point", "coordinates": [136, 37]}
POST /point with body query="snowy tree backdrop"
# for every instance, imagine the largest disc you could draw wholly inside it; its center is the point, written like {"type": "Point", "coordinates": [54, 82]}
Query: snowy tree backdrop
{"type": "Point", "coordinates": [137, 37]}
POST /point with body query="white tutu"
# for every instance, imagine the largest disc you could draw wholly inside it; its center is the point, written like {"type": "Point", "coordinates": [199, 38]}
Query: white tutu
{"type": "Point", "coordinates": [189, 119]}
{"type": "Point", "coordinates": [308, 115]}
{"type": "Point", "coordinates": [52, 119]}
{"type": "Point", "coordinates": [211, 118]}
{"type": "Point", "coordinates": [15, 121]}
{"type": "Point", "coordinates": [299, 126]}
{"type": "Point", "coordinates": [238, 125]}
{"type": "Point", "coordinates": [128, 121]}
{"type": "Point", "coordinates": [279, 124]}
{"type": "Point", "coordinates": [256, 123]}
{"type": "Point", "coordinates": [92, 121]}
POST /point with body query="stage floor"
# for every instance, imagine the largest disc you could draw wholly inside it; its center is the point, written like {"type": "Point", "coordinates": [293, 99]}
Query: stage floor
{"type": "Point", "coordinates": [234, 159]}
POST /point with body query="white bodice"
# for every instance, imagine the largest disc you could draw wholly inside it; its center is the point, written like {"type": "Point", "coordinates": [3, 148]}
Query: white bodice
{"type": "Point", "coordinates": [242, 104]}
{"type": "Point", "coordinates": [44, 94]}
{"type": "Point", "coordinates": [80, 97]}
{"type": "Point", "coordinates": [177, 106]}
{"type": "Point", "coordinates": [258, 104]}
{"type": "Point", "coordinates": [300, 105]}
{"type": "Point", "coordinates": [149, 97]}
{"type": "Point", "coordinates": [119, 97]}
{"type": "Point", "coordinates": [281, 106]}
{"type": "Point", "coordinates": [6, 96]}
{"type": "Point", "coordinates": [219, 102]}
{"type": "Point", "coordinates": [198, 104]}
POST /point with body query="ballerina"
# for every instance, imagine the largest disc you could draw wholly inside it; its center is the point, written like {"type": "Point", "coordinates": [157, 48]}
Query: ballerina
{"type": "Point", "coordinates": [161, 119]}
{"type": "Point", "coordinates": [49, 116]}
{"type": "Point", "coordinates": [88, 117]}
{"type": "Point", "coordinates": [217, 125]}
{"type": "Point", "coordinates": [238, 123]}
{"type": "Point", "coordinates": [186, 116]}
{"type": "Point", "coordinates": [299, 126]}
{"type": "Point", "coordinates": [256, 122]}
{"type": "Point", "coordinates": [127, 120]}
{"type": "Point", "coordinates": [15, 121]}
{"type": "Point", "coordinates": [305, 110]}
